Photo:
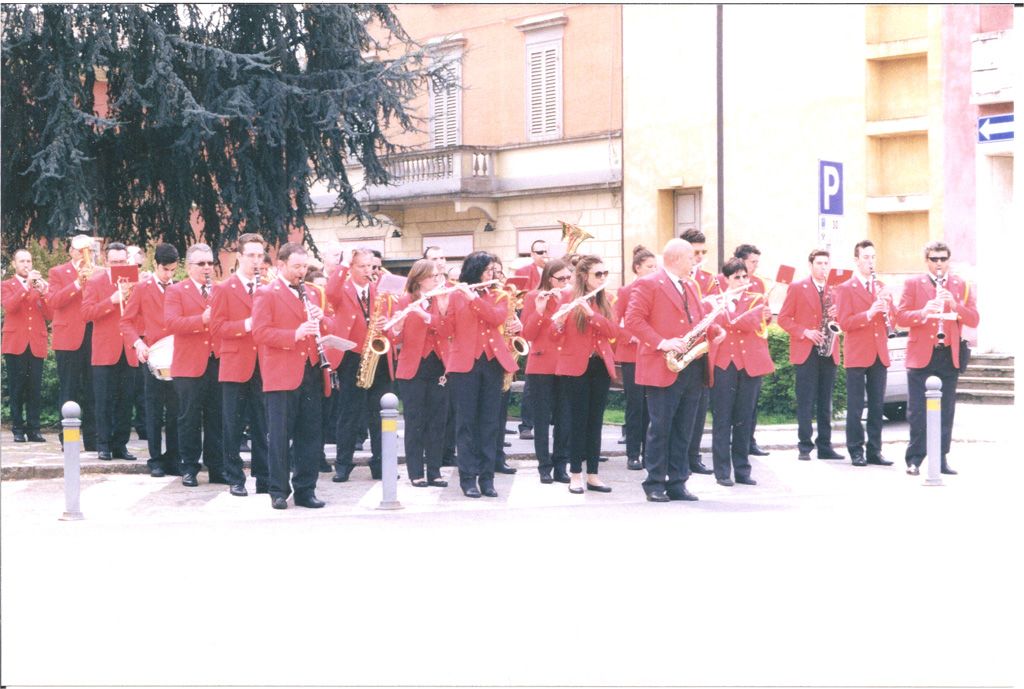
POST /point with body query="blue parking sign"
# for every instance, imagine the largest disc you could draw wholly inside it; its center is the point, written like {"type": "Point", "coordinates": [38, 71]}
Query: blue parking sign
{"type": "Point", "coordinates": [830, 188]}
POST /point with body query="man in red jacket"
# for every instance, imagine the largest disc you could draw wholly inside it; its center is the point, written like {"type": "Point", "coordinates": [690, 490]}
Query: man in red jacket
{"type": "Point", "coordinates": [195, 367]}
{"type": "Point", "coordinates": [143, 326]}
{"type": "Point", "coordinates": [24, 344]}
{"type": "Point", "coordinates": [707, 285]}
{"type": "Point", "coordinates": [240, 381]}
{"type": "Point", "coordinates": [532, 271]}
{"type": "Point", "coordinates": [864, 306]}
{"type": "Point", "coordinates": [113, 357]}
{"type": "Point", "coordinates": [285, 332]}
{"type": "Point", "coordinates": [933, 347]}
{"type": "Point", "coordinates": [72, 334]}
{"type": "Point", "coordinates": [802, 315]}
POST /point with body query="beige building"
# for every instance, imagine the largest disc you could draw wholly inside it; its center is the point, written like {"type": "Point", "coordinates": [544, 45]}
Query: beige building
{"type": "Point", "coordinates": [532, 137]}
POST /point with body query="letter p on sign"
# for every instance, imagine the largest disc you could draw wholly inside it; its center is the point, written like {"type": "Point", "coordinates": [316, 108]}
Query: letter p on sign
{"type": "Point", "coordinates": [830, 188]}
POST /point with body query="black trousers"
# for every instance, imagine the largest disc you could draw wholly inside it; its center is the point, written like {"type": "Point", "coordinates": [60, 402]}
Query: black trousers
{"type": "Point", "coordinates": [425, 406]}
{"type": "Point", "coordinates": [358, 408]}
{"type": "Point", "coordinates": [526, 407]}
{"type": "Point", "coordinates": [449, 433]}
{"type": "Point", "coordinates": [700, 420]}
{"type": "Point", "coordinates": [74, 370]}
{"type": "Point", "coordinates": [477, 395]}
{"type": "Point", "coordinates": [293, 416]}
{"type": "Point", "coordinates": [499, 442]}
{"type": "Point", "coordinates": [871, 378]}
{"type": "Point", "coordinates": [200, 422]}
{"type": "Point", "coordinates": [113, 388]}
{"type": "Point", "coordinates": [815, 381]}
{"type": "Point", "coordinates": [138, 397]}
{"type": "Point", "coordinates": [550, 408]}
{"type": "Point", "coordinates": [733, 398]}
{"type": "Point", "coordinates": [24, 380]}
{"type": "Point", "coordinates": [237, 399]}
{"type": "Point", "coordinates": [329, 413]}
{"type": "Point", "coordinates": [589, 395]}
{"type": "Point", "coordinates": [161, 414]}
{"type": "Point", "coordinates": [637, 418]}
{"type": "Point", "coordinates": [941, 365]}
{"type": "Point", "coordinates": [672, 410]}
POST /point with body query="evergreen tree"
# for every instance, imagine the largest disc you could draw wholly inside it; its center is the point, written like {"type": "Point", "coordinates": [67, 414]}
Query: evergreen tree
{"type": "Point", "coordinates": [231, 110]}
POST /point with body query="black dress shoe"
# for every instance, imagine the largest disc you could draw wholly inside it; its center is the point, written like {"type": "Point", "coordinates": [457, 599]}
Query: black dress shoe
{"type": "Point", "coordinates": [471, 492]}
{"type": "Point", "coordinates": [602, 459]}
{"type": "Point", "coordinates": [438, 483]}
{"type": "Point", "coordinates": [279, 503]}
{"type": "Point", "coordinates": [545, 475]}
{"type": "Point", "coordinates": [804, 456]}
{"type": "Point", "coordinates": [913, 470]}
{"type": "Point", "coordinates": [599, 489]}
{"type": "Point", "coordinates": [526, 434]}
{"type": "Point", "coordinates": [859, 462]}
{"type": "Point", "coordinates": [829, 453]}
{"type": "Point", "coordinates": [880, 461]}
{"type": "Point", "coordinates": [634, 464]}
{"type": "Point", "coordinates": [947, 470]}
{"type": "Point", "coordinates": [546, 479]}
{"type": "Point", "coordinates": [505, 469]}
{"type": "Point", "coordinates": [105, 455]}
{"type": "Point", "coordinates": [341, 473]}
{"type": "Point", "coordinates": [561, 475]}
{"type": "Point", "coordinates": [36, 438]}
{"type": "Point", "coordinates": [681, 494]}
{"type": "Point", "coordinates": [157, 472]}
{"type": "Point", "coordinates": [189, 480]}
{"type": "Point", "coordinates": [657, 496]}
{"type": "Point", "coordinates": [20, 438]}
{"type": "Point", "coordinates": [489, 492]}
{"type": "Point", "coordinates": [125, 455]}
{"type": "Point", "coordinates": [699, 468]}
{"type": "Point", "coordinates": [757, 451]}
{"type": "Point", "coordinates": [746, 481]}
{"type": "Point", "coordinates": [238, 490]}
{"type": "Point", "coordinates": [725, 482]}
{"type": "Point", "coordinates": [310, 501]}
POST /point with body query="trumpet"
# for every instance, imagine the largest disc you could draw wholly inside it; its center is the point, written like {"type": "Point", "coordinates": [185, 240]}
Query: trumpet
{"type": "Point", "coordinates": [578, 301]}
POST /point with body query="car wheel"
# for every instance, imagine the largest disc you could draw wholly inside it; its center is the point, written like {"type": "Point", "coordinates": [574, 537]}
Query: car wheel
{"type": "Point", "coordinates": [897, 411]}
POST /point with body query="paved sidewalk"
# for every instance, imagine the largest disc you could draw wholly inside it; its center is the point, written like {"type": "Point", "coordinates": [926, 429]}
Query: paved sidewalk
{"type": "Point", "coordinates": [974, 423]}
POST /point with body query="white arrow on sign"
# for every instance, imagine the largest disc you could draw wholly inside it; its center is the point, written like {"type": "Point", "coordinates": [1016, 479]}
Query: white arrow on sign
{"type": "Point", "coordinates": [988, 129]}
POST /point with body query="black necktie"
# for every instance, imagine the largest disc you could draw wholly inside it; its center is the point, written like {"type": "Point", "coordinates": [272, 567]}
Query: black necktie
{"type": "Point", "coordinates": [252, 286]}
{"type": "Point", "coordinates": [205, 293]}
{"type": "Point", "coordinates": [686, 302]}
{"type": "Point", "coordinates": [364, 303]}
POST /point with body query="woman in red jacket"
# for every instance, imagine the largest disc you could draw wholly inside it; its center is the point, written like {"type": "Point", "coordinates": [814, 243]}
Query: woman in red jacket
{"type": "Point", "coordinates": [644, 263]}
{"type": "Point", "coordinates": [740, 360]}
{"type": "Point", "coordinates": [586, 367]}
{"type": "Point", "coordinates": [423, 335]}
{"type": "Point", "coordinates": [550, 404]}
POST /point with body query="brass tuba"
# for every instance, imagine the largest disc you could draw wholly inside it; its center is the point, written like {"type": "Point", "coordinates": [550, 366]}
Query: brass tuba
{"type": "Point", "coordinates": [573, 236]}
{"type": "Point", "coordinates": [374, 346]}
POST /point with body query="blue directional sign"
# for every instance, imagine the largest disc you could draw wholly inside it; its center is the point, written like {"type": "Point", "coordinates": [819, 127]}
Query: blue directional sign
{"type": "Point", "coordinates": [830, 188]}
{"type": "Point", "coordinates": [995, 128]}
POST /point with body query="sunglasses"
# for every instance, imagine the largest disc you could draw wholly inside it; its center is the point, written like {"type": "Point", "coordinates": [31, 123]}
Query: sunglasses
{"type": "Point", "coordinates": [561, 278]}
{"type": "Point", "coordinates": [202, 263]}
{"type": "Point", "coordinates": [938, 259]}
{"type": "Point", "coordinates": [600, 274]}
{"type": "Point", "coordinates": [540, 252]}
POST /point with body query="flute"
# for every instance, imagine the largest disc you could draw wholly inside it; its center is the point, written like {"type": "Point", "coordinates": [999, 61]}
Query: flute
{"type": "Point", "coordinates": [578, 301]}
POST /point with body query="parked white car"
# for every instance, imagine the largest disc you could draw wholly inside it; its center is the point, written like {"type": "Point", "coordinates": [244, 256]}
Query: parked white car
{"type": "Point", "coordinates": [896, 379]}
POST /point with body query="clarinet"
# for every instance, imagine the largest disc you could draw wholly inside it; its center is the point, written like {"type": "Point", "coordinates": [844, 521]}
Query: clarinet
{"type": "Point", "coordinates": [890, 331]}
{"type": "Point", "coordinates": [940, 281]}
{"type": "Point", "coordinates": [330, 376]}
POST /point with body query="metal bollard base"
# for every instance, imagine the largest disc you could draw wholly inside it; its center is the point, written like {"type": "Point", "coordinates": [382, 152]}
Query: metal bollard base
{"type": "Point", "coordinates": [71, 517]}
{"type": "Point", "coordinates": [390, 505]}
{"type": "Point", "coordinates": [932, 482]}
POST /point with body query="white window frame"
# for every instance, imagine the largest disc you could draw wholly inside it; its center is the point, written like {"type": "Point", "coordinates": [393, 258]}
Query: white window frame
{"type": "Point", "coordinates": [452, 99]}
{"type": "Point", "coordinates": [543, 35]}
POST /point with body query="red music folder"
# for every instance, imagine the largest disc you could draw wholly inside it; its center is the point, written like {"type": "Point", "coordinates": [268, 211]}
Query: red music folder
{"type": "Point", "coordinates": [838, 276]}
{"type": "Point", "coordinates": [785, 275]}
{"type": "Point", "coordinates": [126, 273]}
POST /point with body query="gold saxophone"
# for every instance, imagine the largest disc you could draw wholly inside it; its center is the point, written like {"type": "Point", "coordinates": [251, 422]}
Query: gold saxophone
{"type": "Point", "coordinates": [517, 345]}
{"type": "Point", "coordinates": [374, 346]}
{"type": "Point", "coordinates": [87, 268]}
{"type": "Point", "coordinates": [695, 342]}
{"type": "Point", "coordinates": [573, 236]}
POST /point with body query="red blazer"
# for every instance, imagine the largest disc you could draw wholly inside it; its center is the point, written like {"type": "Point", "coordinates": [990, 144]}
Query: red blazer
{"type": "Point", "coordinates": [802, 311]}
{"type": "Point", "coordinates": [625, 350]}
{"type": "Point", "coordinates": [531, 274]}
{"type": "Point", "coordinates": [108, 339]}
{"type": "Point", "coordinates": [708, 283]}
{"type": "Point", "coordinates": [419, 339]}
{"type": "Point", "coordinates": [25, 316]}
{"type": "Point", "coordinates": [742, 345]}
{"type": "Point", "coordinates": [863, 338]}
{"type": "Point", "coordinates": [193, 341]}
{"type": "Point", "coordinates": [231, 305]}
{"type": "Point", "coordinates": [144, 314]}
{"type": "Point", "coordinates": [475, 325]}
{"type": "Point", "coordinates": [65, 299]}
{"type": "Point", "coordinates": [910, 314]}
{"type": "Point", "coordinates": [276, 312]}
{"type": "Point", "coordinates": [575, 347]}
{"type": "Point", "coordinates": [543, 356]}
{"type": "Point", "coordinates": [655, 313]}
{"type": "Point", "coordinates": [349, 321]}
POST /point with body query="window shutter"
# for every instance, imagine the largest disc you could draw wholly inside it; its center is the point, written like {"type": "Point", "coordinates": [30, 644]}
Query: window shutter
{"type": "Point", "coordinates": [544, 67]}
{"type": "Point", "coordinates": [444, 110]}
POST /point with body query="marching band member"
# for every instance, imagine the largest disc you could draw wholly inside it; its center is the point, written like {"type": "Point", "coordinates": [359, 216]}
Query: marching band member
{"type": "Point", "coordinates": [354, 301]}
{"type": "Point", "coordinates": [751, 257]}
{"type": "Point", "coordinates": [285, 329]}
{"type": "Point", "coordinates": [423, 334]}
{"type": "Point", "coordinates": [637, 419]}
{"type": "Point", "coordinates": [708, 285]}
{"type": "Point", "coordinates": [934, 350]}
{"type": "Point", "coordinates": [448, 457]}
{"type": "Point", "coordinates": [863, 310]}
{"type": "Point", "coordinates": [195, 369]}
{"type": "Point", "coordinates": [804, 316]}
{"type": "Point", "coordinates": [241, 384]}
{"type": "Point", "coordinates": [740, 360]}
{"type": "Point", "coordinates": [664, 307]}
{"type": "Point", "coordinates": [585, 367]}
{"type": "Point", "coordinates": [137, 257]}
{"type": "Point", "coordinates": [511, 326]}
{"type": "Point", "coordinates": [113, 357]}
{"type": "Point", "coordinates": [143, 325]}
{"type": "Point", "coordinates": [476, 364]}
{"type": "Point", "coordinates": [551, 406]}
{"type": "Point", "coordinates": [532, 271]}
{"type": "Point", "coordinates": [72, 334]}
{"type": "Point", "coordinates": [24, 344]}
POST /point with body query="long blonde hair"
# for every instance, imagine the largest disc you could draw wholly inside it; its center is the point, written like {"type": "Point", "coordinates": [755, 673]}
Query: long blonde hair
{"type": "Point", "coordinates": [579, 288]}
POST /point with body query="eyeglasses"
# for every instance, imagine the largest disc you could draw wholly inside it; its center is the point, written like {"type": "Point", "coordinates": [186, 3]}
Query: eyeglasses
{"type": "Point", "coordinates": [561, 278]}
{"type": "Point", "coordinates": [377, 268]}
{"type": "Point", "coordinates": [600, 274]}
{"type": "Point", "coordinates": [540, 252]}
{"type": "Point", "coordinates": [938, 259]}
{"type": "Point", "coordinates": [201, 263]}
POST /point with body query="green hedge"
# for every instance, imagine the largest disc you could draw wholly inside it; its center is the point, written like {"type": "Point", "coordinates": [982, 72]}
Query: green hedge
{"type": "Point", "coordinates": [778, 390]}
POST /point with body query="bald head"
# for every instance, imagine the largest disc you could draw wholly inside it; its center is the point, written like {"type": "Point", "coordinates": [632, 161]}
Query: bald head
{"type": "Point", "coordinates": [678, 256]}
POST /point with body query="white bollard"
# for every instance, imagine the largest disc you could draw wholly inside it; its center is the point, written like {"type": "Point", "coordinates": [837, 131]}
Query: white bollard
{"type": "Point", "coordinates": [72, 423]}
{"type": "Point", "coordinates": [933, 420]}
{"type": "Point", "coordinates": [389, 452]}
